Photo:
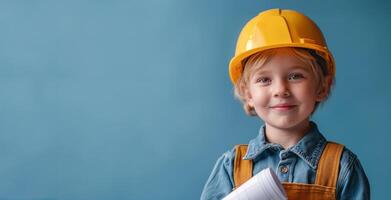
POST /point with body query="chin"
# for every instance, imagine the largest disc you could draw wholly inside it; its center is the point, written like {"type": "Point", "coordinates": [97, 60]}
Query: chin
{"type": "Point", "coordinates": [286, 123]}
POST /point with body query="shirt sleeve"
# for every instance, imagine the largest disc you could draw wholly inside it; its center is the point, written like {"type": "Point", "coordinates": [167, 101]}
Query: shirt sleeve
{"type": "Point", "coordinates": [219, 183]}
{"type": "Point", "coordinates": [352, 180]}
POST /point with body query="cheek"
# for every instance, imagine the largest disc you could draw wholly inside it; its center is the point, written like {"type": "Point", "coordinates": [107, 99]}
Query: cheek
{"type": "Point", "coordinates": [307, 93]}
{"type": "Point", "coordinates": [259, 97]}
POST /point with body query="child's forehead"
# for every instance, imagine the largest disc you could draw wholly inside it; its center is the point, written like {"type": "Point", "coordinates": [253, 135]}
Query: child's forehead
{"type": "Point", "coordinates": [282, 58]}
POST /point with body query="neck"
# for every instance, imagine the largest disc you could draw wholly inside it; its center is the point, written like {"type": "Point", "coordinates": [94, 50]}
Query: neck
{"type": "Point", "coordinates": [286, 137]}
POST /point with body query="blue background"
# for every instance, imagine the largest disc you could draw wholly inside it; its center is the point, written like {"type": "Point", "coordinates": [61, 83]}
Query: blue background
{"type": "Point", "coordinates": [132, 100]}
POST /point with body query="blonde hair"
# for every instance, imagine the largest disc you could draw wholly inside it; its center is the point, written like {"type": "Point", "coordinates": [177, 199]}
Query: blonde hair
{"type": "Point", "coordinates": [310, 57]}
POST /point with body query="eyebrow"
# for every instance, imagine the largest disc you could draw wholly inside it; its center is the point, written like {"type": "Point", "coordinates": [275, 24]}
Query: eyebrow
{"type": "Point", "coordinates": [294, 67]}
{"type": "Point", "coordinates": [300, 67]}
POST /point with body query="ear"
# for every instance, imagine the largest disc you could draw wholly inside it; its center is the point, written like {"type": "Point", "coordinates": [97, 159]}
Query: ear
{"type": "Point", "coordinates": [249, 98]}
{"type": "Point", "coordinates": [324, 91]}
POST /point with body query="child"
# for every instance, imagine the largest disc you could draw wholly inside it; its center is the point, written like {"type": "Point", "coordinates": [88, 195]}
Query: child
{"type": "Point", "coordinates": [281, 71]}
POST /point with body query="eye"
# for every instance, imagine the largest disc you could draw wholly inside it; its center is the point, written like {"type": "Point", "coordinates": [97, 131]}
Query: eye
{"type": "Point", "coordinates": [263, 80]}
{"type": "Point", "coordinates": [295, 76]}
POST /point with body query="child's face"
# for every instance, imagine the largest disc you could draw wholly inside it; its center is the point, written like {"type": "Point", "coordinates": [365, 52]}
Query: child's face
{"type": "Point", "coordinates": [283, 91]}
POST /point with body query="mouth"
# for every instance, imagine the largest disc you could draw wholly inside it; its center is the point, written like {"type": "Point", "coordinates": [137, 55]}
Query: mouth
{"type": "Point", "coordinates": [283, 107]}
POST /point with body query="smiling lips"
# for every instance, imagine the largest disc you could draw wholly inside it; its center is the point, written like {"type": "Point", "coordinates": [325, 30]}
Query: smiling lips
{"type": "Point", "coordinates": [283, 107]}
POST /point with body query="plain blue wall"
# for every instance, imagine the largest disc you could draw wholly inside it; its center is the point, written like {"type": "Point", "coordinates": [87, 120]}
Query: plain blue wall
{"type": "Point", "coordinates": [132, 100]}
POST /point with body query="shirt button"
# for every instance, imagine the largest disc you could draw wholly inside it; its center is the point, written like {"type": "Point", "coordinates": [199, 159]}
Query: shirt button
{"type": "Point", "coordinates": [284, 169]}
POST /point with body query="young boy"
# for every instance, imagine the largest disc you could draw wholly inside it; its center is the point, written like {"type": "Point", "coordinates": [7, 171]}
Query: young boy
{"type": "Point", "coordinates": [281, 71]}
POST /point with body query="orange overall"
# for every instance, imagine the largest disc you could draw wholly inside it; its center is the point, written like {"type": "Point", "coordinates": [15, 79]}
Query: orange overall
{"type": "Point", "coordinates": [326, 175]}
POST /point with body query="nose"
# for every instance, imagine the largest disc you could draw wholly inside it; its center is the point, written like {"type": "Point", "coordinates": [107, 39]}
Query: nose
{"type": "Point", "coordinates": [281, 89]}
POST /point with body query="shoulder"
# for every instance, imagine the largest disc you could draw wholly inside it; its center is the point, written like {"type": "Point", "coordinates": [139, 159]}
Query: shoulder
{"type": "Point", "coordinates": [347, 162]}
{"type": "Point", "coordinates": [223, 168]}
{"type": "Point", "coordinates": [347, 157]}
{"type": "Point", "coordinates": [352, 178]}
{"type": "Point", "coordinates": [220, 181]}
{"type": "Point", "coordinates": [228, 157]}
{"type": "Point", "coordinates": [224, 165]}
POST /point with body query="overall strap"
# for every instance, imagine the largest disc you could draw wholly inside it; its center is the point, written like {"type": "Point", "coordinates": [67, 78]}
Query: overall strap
{"type": "Point", "coordinates": [328, 166]}
{"type": "Point", "coordinates": [327, 172]}
{"type": "Point", "coordinates": [243, 169]}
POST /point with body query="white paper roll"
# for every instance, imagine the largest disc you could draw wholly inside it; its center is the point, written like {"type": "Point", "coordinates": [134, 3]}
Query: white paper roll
{"type": "Point", "coordinates": [263, 186]}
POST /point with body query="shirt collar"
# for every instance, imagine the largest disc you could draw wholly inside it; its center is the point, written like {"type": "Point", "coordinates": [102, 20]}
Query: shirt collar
{"type": "Point", "coordinates": [309, 148]}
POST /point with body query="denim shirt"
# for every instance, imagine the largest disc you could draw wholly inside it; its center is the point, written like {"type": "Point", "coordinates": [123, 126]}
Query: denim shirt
{"type": "Point", "coordinates": [301, 159]}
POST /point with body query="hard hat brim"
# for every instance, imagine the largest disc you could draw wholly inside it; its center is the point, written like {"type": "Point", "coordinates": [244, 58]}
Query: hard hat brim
{"type": "Point", "coordinates": [236, 63]}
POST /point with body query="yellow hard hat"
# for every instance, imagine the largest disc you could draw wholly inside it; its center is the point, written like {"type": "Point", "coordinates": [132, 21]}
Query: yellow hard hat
{"type": "Point", "coordinates": [277, 28]}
